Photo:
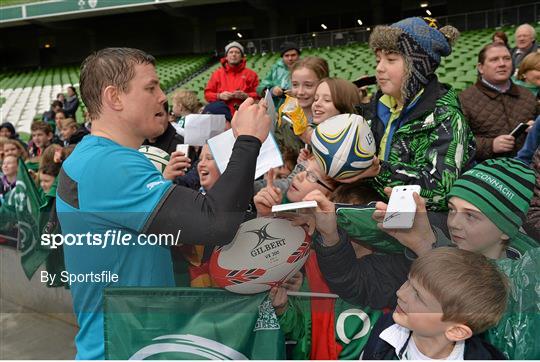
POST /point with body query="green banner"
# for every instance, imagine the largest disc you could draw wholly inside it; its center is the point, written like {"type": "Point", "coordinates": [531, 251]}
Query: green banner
{"type": "Point", "coordinates": [28, 201]}
{"type": "Point", "coordinates": [516, 334]}
{"type": "Point", "coordinates": [190, 323]}
{"type": "Point", "coordinates": [62, 7]}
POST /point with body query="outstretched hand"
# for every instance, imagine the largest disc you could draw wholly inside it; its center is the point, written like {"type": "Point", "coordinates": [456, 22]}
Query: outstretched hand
{"type": "Point", "coordinates": [177, 165]}
{"type": "Point", "coordinates": [268, 196]}
{"type": "Point", "coordinates": [323, 218]}
{"type": "Point", "coordinates": [419, 238]}
{"type": "Point", "coordinates": [278, 295]}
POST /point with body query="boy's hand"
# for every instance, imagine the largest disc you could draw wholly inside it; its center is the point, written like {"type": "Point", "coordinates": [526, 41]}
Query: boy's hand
{"type": "Point", "coordinates": [303, 155]}
{"type": "Point", "coordinates": [279, 298]}
{"type": "Point", "coordinates": [325, 217]}
{"type": "Point", "coordinates": [268, 196]}
{"type": "Point", "coordinates": [176, 166]}
{"type": "Point", "coordinates": [420, 237]}
{"type": "Point", "coordinates": [295, 282]}
{"type": "Point", "coordinates": [277, 91]}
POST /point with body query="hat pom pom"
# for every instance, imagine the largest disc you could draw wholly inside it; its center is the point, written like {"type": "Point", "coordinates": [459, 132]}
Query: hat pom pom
{"type": "Point", "coordinates": [450, 33]}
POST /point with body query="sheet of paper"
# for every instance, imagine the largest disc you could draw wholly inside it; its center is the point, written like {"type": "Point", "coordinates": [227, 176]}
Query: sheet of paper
{"type": "Point", "coordinates": [221, 147]}
{"type": "Point", "coordinates": [201, 127]}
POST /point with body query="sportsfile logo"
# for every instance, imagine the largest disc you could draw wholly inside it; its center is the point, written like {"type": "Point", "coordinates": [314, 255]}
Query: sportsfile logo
{"type": "Point", "coordinates": [110, 238]}
{"type": "Point", "coordinates": [264, 237]}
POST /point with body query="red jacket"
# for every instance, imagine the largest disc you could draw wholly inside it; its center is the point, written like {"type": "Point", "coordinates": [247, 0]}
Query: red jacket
{"type": "Point", "coordinates": [232, 78]}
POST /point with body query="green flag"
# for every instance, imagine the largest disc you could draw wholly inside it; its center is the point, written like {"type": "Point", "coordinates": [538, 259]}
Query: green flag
{"type": "Point", "coordinates": [516, 334]}
{"type": "Point", "coordinates": [8, 215]}
{"type": "Point", "coordinates": [359, 224]}
{"type": "Point", "coordinates": [189, 323]}
{"type": "Point", "coordinates": [27, 201]}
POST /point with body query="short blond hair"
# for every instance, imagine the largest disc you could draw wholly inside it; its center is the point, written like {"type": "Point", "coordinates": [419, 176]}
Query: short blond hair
{"type": "Point", "coordinates": [530, 62]}
{"type": "Point", "coordinates": [469, 287]}
{"type": "Point", "coordinates": [187, 99]}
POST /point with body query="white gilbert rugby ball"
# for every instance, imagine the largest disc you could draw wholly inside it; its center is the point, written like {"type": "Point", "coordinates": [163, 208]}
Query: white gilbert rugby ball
{"type": "Point", "coordinates": [343, 145]}
{"type": "Point", "coordinates": [264, 253]}
{"type": "Point", "coordinates": [157, 156]}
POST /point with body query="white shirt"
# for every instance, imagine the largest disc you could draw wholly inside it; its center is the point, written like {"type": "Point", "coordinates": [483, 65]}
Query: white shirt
{"type": "Point", "coordinates": [397, 336]}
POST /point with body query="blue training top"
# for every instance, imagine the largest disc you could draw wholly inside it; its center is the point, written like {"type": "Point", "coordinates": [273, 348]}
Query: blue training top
{"type": "Point", "coordinates": [108, 187]}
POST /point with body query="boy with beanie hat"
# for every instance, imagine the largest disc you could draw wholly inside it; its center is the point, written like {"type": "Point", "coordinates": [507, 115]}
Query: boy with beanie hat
{"type": "Point", "coordinates": [233, 82]}
{"type": "Point", "coordinates": [421, 134]}
{"type": "Point", "coordinates": [278, 79]}
{"type": "Point", "coordinates": [501, 189]}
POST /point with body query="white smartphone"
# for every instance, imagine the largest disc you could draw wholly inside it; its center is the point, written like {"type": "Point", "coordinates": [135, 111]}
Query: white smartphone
{"type": "Point", "coordinates": [183, 148]}
{"type": "Point", "coordinates": [294, 206]}
{"type": "Point", "coordinates": [401, 208]}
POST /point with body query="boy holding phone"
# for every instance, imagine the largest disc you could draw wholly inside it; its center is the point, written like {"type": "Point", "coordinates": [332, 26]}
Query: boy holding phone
{"type": "Point", "coordinates": [488, 205]}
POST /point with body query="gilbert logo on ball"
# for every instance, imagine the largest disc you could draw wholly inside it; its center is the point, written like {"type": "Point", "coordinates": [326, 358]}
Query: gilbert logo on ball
{"type": "Point", "coordinates": [343, 145]}
{"type": "Point", "coordinates": [157, 156]}
{"type": "Point", "coordinates": [265, 252]}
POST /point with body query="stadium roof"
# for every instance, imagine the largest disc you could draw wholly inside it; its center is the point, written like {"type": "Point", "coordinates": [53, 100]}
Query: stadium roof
{"type": "Point", "coordinates": [54, 10]}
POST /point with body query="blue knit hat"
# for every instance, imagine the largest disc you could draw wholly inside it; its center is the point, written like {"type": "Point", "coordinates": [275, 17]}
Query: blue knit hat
{"type": "Point", "coordinates": [425, 33]}
{"type": "Point", "coordinates": [422, 45]}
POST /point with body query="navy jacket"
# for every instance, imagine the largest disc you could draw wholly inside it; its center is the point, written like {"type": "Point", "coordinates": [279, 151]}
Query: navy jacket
{"type": "Point", "coordinates": [376, 348]}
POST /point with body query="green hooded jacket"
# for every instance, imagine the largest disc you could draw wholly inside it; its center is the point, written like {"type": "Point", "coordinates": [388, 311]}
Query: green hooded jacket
{"type": "Point", "coordinates": [278, 76]}
{"type": "Point", "coordinates": [431, 145]}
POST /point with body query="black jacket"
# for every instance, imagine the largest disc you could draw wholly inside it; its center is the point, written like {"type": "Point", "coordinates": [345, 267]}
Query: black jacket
{"type": "Point", "coordinates": [369, 281]}
{"type": "Point", "coordinates": [518, 58]}
{"type": "Point", "coordinates": [376, 348]}
{"type": "Point", "coordinates": [168, 140]}
{"type": "Point", "coordinates": [77, 136]}
{"type": "Point", "coordinates": [71, 106]}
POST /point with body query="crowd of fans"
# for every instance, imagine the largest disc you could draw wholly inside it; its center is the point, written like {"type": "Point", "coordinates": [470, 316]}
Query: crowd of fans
{"type": "Point", "coordinates": [483, 179]}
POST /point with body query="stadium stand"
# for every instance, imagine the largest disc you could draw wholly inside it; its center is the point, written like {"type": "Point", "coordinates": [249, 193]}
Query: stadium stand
{"type": "Point", "coordinates": [29, 93]}
{"type": "Point", "coordinates": [355, 60]}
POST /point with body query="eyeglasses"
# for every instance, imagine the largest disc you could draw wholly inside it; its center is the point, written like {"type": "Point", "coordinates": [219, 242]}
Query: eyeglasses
{"type": "Point", "coordinates": [312, 176]}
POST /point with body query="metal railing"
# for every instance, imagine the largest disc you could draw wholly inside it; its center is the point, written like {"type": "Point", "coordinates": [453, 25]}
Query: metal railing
{"type": "Point", "coordinates": [308, 40]}
{"type": "Point", "coordinates": [492, 18]}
